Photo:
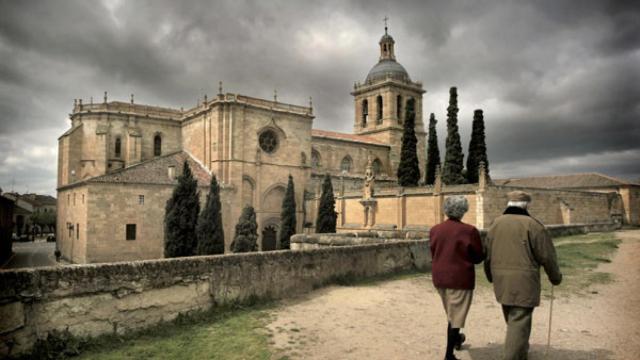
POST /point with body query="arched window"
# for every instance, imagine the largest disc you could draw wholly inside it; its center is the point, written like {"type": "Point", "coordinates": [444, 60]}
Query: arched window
{"type": "Point", "coordinates": [157, 145]}
{"type": "Point", "coordinates": [346, 163]}
{"type": "Point", "coordinates": [399, 108]}
{"type": "Point", "coordinates": [412, 101]}
{"type": "Point", "coordinates": [365, 112]}
{"type": "Point", "coordinates": [315, 159]}
{"type": "Point", "coordinates": [379, 117]}
{"type": "Point", "coordinates": [118, 147]}
{"type": "Point", "coordinates": [377, 166]}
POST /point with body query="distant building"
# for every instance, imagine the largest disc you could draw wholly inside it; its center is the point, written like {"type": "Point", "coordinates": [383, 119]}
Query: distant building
{"type": "Point", "coordinates": [27, 205]}
{"type": "Point", "coordinates": [6, 227]}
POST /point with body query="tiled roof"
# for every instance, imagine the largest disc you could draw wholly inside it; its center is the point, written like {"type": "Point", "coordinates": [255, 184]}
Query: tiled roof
{"type": "Point", "coordinates": [573, 181]}
{"type": "Point", "coordinates": [345, 137]}
{"type": "Point", "coordinates": [32, 198]}
{"type": "Point", "coordinates": [156, 171]}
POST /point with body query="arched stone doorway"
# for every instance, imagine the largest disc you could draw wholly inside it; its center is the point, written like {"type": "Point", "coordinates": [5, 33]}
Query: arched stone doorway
{"type": "Point", "coordinates": [269, 238]}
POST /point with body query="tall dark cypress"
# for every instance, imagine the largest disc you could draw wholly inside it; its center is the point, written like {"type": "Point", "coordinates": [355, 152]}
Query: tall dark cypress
{"type": "Point", "coordinates": [288, 216]}
{"type": "Point", "coordinates": [209, 230]}
{"type": "Point", "coordinates": [409, 168]}
{"type": "Point", "coordinates": [181, 216]}
{"type": "Point", "coordinates": [477, 148]}
{"type": "Point", "coordinates": [246, 238]}
{"type": "Point", "coordinates": [454, 158]}
{"type": "Point", "coordinates": [433, 152]}
{"type": "Point", "coordinates": [327, 217]}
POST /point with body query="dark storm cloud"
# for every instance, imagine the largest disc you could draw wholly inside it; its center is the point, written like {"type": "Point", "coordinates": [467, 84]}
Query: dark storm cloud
{"type": "Point", "coordinates": [557, 79]}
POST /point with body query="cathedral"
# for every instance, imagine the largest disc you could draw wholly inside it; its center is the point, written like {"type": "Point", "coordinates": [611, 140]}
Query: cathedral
{"type": "Point", "coordinates": [118, 163]}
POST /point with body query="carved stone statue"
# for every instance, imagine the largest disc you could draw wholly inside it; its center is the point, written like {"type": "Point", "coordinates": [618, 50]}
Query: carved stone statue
{"type": "Point", "coordinates": [369, 180]}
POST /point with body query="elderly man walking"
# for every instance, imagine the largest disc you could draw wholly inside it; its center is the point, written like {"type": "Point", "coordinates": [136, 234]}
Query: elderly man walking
{"type": "Point", "coordinates": [455, 248]}
{"type": "Point", "coordinates": [516, 246]}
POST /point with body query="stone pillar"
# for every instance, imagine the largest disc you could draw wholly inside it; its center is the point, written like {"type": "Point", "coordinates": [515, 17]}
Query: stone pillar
{"type": "Point", "coordinates": [439, 198]}
{"type": "Point", "coordinates": [401, 202]}
{"type": "Point", "coordinates": [482, 187]}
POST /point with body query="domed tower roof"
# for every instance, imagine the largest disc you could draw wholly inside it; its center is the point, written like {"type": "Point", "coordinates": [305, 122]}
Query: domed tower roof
{"type": "Point", "coordinates": [387, 66]}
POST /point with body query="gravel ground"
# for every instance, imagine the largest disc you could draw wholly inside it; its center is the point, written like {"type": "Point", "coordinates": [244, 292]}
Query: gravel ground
{"type": "Point", "coordinates": [404, 319]}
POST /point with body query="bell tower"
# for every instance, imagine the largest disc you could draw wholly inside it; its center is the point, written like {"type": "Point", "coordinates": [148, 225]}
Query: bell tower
{"type": "Point", "coordinates": [386, 45]}
{"type": "Point", "coordinates": [380, 103]}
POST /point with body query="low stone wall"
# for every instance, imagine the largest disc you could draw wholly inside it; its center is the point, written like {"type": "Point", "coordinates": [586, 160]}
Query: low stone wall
{"type": "Point", "coordinates": [97, 299]}
{"type": "Point", "coordinates": [318, 241]}
{"type": "Point", "coordinates": [575, 229]}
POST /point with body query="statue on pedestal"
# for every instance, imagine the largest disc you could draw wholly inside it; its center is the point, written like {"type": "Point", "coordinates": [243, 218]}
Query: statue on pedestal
{"type": "Point", "coordinates": [368, 202]}
{"type": "Point", "coordinates": [369, 180]}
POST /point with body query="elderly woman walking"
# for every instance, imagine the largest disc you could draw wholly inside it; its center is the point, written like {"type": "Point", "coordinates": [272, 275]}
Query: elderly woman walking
{"type": "Point", "coordinates": [455, 248]}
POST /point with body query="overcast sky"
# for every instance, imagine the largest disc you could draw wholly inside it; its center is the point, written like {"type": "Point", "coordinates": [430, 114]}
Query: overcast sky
{"type": "Point", "coordinates": [559, 81]}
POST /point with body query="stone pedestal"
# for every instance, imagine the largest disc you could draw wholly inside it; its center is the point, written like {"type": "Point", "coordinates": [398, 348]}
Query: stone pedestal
{"type": "Point", "coordinates": [369, 206]}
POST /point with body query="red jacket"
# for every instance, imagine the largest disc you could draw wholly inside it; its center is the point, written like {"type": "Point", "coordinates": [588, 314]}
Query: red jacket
{"type": "Point", "coordinates": [455, 248]}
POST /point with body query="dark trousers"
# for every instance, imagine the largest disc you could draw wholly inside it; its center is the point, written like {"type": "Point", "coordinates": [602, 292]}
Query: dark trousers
{"type": "Point", "coordinates": [518, 319]}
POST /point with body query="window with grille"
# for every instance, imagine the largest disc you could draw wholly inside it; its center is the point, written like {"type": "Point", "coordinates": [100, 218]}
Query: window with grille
{"type": "Point", "coordinates": [346, 163]}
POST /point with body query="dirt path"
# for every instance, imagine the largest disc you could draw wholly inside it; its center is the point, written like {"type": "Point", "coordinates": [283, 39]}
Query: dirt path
{"type": "Point", "coordinates": [403, 319]}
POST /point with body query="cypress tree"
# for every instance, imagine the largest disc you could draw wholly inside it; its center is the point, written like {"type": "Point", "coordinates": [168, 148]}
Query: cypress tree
{"type": "Point", "coordinates": [326, 221]}
{"type": "Point", "coordinates": [181, 216]}
{"type": "Point", "coordinates": [288, 216]}
{"type": "Point", "coordinates": [209, 230]}
{"type": "Point", "coordinates": [477, 148]}
{"type": "Point", "coordinates": [246, 238]}
{"type": "Point", "coordinates": [433, 153]}
{"type": "Point", "coordinates": [409, 169]}
{"type": "Point", "coordinates": [454, 158]}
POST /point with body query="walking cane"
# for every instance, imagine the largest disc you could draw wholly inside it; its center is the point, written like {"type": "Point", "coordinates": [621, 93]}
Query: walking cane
{"type": "Point", "coordinates": [546, 353]}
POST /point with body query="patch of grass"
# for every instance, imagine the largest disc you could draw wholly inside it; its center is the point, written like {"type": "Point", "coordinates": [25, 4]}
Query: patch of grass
{"type": "Point", "coordinates": [233, 332]}
{"type": "Point", "coordinates": [579, 257]}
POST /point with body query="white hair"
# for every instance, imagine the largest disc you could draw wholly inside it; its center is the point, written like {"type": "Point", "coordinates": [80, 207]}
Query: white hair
{"type": "Point", "coordinates": [456, 206]}
{"type": "Point", "coordinates": [520, 204]}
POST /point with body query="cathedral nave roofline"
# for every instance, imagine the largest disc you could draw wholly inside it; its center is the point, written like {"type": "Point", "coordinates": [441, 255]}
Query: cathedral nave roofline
{"type": "Point", "coordinates": [275, 106]}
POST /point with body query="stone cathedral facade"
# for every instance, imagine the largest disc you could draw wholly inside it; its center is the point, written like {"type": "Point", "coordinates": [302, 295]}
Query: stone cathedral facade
{"type": "Point", "coordinates": [118, 163]}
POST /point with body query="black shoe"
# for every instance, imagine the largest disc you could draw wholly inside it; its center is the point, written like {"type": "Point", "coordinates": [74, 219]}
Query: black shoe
{"type": "Point", "coordinates": [452, 357]}
{"type": "Point", "coordinates": [461, 340]}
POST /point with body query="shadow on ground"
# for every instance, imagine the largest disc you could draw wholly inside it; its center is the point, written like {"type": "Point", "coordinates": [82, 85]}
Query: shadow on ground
{"type": "Point", "coordinates": [537, 352]}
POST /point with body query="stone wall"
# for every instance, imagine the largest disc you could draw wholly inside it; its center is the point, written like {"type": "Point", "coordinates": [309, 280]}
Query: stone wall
{"type": "Point", "coordinates": [420, 208]}
{"type": "Point", "coordinates": [552, 206]}
{"type": "Point", "coordinates": [399, 208]}
{"type": "Point", "coordinates": [631, 202]}
{"type": "Point", "coordinates": [91, 300]}
{"type": "Point", "coordinates": [319, 241]}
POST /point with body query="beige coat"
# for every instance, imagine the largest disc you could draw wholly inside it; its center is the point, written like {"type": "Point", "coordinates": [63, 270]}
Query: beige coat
{"type": "Point", "coordinates": [516, 246]}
